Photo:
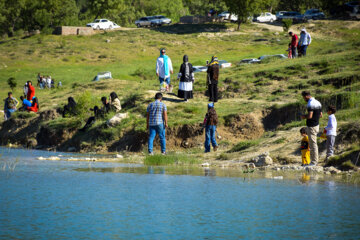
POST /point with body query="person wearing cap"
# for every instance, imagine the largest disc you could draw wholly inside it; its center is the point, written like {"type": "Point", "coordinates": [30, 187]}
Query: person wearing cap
{"type": "Point", "coordinates": [212, 79]}
{"type": "Point", "coordinates": [210, 122]}
{"type": "Point", "coordinates": [304, 42]}
{"type": "Point", "coordinates": [186, 76]}
{"type": "Point", "coordinates": [156, 123]}
{"type": "Point", "coordinates": [164, 67]}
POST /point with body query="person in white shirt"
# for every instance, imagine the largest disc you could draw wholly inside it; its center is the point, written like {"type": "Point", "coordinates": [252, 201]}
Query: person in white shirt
{"type": "Point", "coordinates": [49, 82]}
{"type": "Point", "coordinates": [164, 67]}
{"type": "Point", "coordinates": [330, 131]}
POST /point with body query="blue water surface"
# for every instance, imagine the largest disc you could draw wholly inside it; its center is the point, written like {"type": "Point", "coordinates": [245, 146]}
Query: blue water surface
{"type": "Point", "coordinates": [62, 200]}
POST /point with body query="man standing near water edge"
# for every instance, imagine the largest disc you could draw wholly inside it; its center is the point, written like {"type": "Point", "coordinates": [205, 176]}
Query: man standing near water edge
{"type": "Point", "coordinates": [312, 122]}
{"type": "Point", "coordinates": [156, 123]}
{"type": "Point", "coordinates": [164, 67]}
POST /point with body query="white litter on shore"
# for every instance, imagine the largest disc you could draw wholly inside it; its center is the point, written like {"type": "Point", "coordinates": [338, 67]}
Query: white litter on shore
{"type": "Point", "coordinates": [205, 164]}
{"type": "Point", "coordinates": [278, 177]}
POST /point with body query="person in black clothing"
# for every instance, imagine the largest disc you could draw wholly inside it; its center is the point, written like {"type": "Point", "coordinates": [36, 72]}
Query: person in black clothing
{"type": "Point", "coordinates": [70, 108]}
{"type": "Point", "coordinates": [212, 79]}
{"type": "Point", "coordinates": [186, 76]}
{"type": "Point", "coordinates": [99, 113]}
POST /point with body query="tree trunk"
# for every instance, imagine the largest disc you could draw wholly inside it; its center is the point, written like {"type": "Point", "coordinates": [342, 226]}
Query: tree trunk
{"type": "Point", "coordinates": [238, 24]}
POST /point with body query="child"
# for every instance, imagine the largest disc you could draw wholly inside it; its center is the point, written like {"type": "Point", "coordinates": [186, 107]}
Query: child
{"type": "Point", "coordinates": [330, 131]}
{"type": "Point", "coordinates": [305, 148]}
{"type": "Point", "coordinates": [210, 122]}
{"type": "Point", "coordinates": [289, 51]}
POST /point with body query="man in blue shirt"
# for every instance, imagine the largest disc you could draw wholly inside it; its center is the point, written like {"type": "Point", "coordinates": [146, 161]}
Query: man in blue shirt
{"type": "Point", "coordinates": [304, 42]}
{"type": "Point", "coordinates": [156, 122]}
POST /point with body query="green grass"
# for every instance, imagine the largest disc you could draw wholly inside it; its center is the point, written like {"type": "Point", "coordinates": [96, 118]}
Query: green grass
{"type": "Point", "coordinates": [171, 159]}
{"type": "Point", "coordinates": [243, 145]}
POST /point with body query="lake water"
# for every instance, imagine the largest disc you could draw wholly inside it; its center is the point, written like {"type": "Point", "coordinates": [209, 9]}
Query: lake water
{"type": "Point", "coordinates": [99, 200]}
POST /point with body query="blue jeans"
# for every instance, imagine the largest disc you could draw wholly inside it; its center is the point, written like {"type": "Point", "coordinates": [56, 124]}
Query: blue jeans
{"type": "Point", "coordinates": [210, 137]}
{"type": "Point", "coordinates": [160, 130]}
{"type": "Point", "coordinates": [8, 112]}
{"type": "Point", "coordinates": [167, 80]}
{"type": "Point", "coordinates": [303, 50]}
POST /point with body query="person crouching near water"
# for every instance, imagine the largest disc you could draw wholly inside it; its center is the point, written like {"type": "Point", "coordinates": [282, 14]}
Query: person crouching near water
{"type": "Point", "coordinates": [156, 123]}
{"type": "Point", "coordinates": [210, 122]}
{"type": "Point", "coordinates": [212, 79]}
{"type": "Point", "coordinates": [186, 76]}
{"type": "Point", "coordinates": [305, 148]}
{"type": "Point", "coordinates": [164, 68]}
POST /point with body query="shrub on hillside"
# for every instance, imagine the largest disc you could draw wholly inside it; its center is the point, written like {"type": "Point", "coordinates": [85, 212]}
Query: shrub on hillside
{"type": "Point", "coordinates": [287, 24]}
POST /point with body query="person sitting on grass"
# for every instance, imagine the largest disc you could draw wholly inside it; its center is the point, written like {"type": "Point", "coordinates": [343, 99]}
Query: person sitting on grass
{"type": "Point", "coordinates": [305, 148]}
{"type": "Point", "coordinates": [330, 131]}
{"type": "Point", "coordinates": [25, 103]}
{"type": "Point", "coordinates": [210, 122]}
{"type": "Point", "coordinates": [115, 102]}
{"type": "Point", "coordinates": [10, 105]}
{"type": "Point", "coordinates": [99, 113]}
{"type": "Point", "coordinates": [70, 108]}
{"type": "Point", "coordinates": [34, 105]}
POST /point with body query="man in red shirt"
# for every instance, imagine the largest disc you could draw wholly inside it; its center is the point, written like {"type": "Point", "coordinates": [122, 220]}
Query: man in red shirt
{"type": "Point", "coordinates": [294, 44]}
{"type": "Point", "coordinates": [31, 91]}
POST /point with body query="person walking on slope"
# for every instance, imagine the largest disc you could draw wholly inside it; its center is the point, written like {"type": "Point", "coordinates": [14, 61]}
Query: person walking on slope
{"type": "Point", "coordinates": [212, 79]}
{"type": "Point", "coordinates": [210, 122]}
{"type": "Point", "coordinates": [164, 68]}
{"type": "Point", "coordinates": [294, 44]}
{"type": "Point", "coordinates": [156, 123]}
{"type": "Point", "coordinates": [312, 123]}
{"type": "Point", "coordinates": [186, 76]}
{"type": "Point", "coordinates": [304, 42]}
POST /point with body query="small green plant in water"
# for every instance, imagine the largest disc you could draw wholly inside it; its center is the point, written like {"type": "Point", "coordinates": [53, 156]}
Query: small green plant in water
{"type": "Point", "coordinates": [171, 159]}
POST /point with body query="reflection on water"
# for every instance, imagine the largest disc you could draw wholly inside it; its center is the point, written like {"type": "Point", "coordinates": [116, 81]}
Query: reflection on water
{"type": "Point", "coordinates": [92, 200]}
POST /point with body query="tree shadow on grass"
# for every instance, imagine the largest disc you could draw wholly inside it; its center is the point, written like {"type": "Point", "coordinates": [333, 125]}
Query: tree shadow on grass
{"type": "Point", "coordinates": [191, 28]}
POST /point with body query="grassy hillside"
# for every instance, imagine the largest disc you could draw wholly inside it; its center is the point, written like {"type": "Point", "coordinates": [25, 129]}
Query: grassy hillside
{"type": "Point", "coordinates": [330, 71]}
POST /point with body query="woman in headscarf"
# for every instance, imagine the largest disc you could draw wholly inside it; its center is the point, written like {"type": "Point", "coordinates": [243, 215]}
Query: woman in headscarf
{"type": "Point", "coordinates": [70, 108]}
{"type": "Point", "coordinates": [186, 76]}
{"type": "Point", "coordinates": [115, 102]}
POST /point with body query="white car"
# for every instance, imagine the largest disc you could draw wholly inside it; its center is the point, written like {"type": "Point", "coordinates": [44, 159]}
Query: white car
{"type": "Point", "coordinates": [266, 17]}
{"type": "Point", "coordinates": [226, 16]}
{"type": "Point", "coordinates": [102, 24]}
{"type": "Point", "coordinates": [199, 69]}
{"type": "Point", "coordinates": [224, 64]}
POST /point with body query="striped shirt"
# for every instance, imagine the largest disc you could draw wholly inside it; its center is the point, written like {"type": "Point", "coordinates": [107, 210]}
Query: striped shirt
{"type": "Point", "coordinates": [156, 110]}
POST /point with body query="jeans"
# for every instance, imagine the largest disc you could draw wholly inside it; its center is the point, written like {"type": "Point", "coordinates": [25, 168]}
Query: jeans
{"type": "Point", "coordinates": [330, 141]}
{"type": "Point", "coordinates": [8, 112]}
{"type": "Point", "coordinates": [167, 80]}
{"type": "Point", "coordinates": [312, 134]}
{"type": "Point", "coordinates": [210, 137]}
{"type": "Point", "coordinates": [293, 52]}
{"type": "Point", "coordinates": [303, 50]}
{"type": "Point", "coordinates": [160, 130]}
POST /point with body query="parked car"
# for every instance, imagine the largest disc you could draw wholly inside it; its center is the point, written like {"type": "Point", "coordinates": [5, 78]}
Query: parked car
{"type": "Point", "coordinates": [279, 14]}
{"type": "Point", "coordinates": [224, 64]}
{"type": "Point", "coordinates": [250, 61]}
{"type": "Point", "coordinates": [199, 69]}
{"type": "Point", "coordinates": [102, 24]}
{"type": "Point", "coordinates": [279, 56]}
{"type": "Point", "coordinates": [352, 8]}
{"type": "Point", "coordinates": [227, 16]}
{"type": "Point", "coordinates": [314, 14]}
{"type": "Point", "coordinates": [266, 17]}
{"type": "Point", "coordinates": [295, 16]}
{"type": "Point", "coordinates": [149, 21]}
{"type": "Point", "coordinates": [161, 20]}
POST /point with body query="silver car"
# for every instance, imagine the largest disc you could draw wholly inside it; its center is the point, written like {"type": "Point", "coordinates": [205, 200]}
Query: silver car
{"type": "Point", "coordinates": [161, 20]}
{"type": "Point", "coordinates": [146, 22]}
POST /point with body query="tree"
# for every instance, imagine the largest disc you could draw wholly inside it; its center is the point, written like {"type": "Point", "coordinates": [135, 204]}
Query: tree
{"type": "Point", "coordinates": [244, 8]}
{"type": "Point", "coordinates": [12, 83]}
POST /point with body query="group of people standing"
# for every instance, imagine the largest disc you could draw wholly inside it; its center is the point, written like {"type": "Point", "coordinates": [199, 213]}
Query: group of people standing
{"type": "Point", "coordinates": [156, 120]}
{"type": "Point", "coordinates": [298, 47]}
{"type": "Point", "coordinates": [46, 82]}
{"type": "Point", "coordinates": [309, 147]}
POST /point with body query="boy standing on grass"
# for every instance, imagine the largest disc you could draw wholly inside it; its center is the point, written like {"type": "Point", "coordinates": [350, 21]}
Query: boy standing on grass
{"type": "Point", "coordinates": [330, 131]}
{"type": "Point", "coordinates": [305, 149]}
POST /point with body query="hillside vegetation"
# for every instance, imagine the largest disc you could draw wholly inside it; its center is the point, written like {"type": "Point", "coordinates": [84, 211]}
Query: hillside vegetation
{"type": "Point", "coordinates": [260, 103]}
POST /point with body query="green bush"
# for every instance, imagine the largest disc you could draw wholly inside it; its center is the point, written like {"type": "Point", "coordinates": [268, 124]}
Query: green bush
{"type": "Point", "coordinates": [244, 145]}
{"type": "Point", "coordinates": [287, 24]}
{"type": "Point", "coordinates": [84, 102]}
{"type": "Point", "coordinates": [178, 159]}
